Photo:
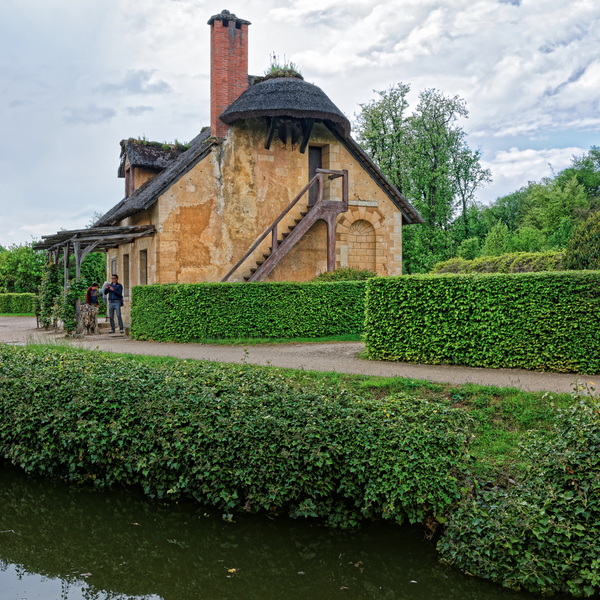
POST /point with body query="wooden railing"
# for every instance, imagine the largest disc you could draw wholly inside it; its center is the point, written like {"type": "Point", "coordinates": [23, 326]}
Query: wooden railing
{"type": "Point", "coordinates": [318, 179]}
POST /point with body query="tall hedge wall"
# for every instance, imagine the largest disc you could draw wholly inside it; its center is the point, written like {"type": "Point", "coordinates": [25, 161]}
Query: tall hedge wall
{"type": "Point", "coordinates": [183, 312]}
{"type": "Point", "coordinates": [16, 303]}
{"type": "Point", "coordinates": [537, 321]}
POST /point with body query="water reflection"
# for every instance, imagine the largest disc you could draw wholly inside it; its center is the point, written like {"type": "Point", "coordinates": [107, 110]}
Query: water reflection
{"type": "Point", "coordinates": [73, 543]}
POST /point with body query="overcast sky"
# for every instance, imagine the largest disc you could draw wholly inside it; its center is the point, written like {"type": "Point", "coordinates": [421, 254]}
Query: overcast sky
{"type": "Point", "coordinates": [76, 77]}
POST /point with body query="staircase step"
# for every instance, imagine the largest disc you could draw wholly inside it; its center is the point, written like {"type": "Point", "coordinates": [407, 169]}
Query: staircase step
{"type": "Point", "coordinates": [267, 255]}
{"type": "Point", "coordinates": [304, 213]}
{"type": "Point", "coordinates": [246, 278]}
{"type": "Point", "coordinates": [284, 235]}
{"type": "Point", "coordinates": [260, 262]}
{"type": "Point", "coordinates": [253, 270]}
{"type": "Point", "coordinates": [292, 227]}
{"type": "Point", "coordinates": [297, 221]}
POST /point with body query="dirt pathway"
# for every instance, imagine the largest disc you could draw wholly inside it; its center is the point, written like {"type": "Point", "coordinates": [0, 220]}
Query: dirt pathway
{"type": "Point", "coordinates": [340, 357]}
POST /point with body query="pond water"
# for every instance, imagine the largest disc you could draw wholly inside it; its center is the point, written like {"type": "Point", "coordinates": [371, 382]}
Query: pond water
{"type": "Point", "coordinates": [69, 542]}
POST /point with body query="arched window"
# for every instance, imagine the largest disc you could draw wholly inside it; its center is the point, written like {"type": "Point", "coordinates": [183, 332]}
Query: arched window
{"type": "Point", "coordinates": [361, 245]}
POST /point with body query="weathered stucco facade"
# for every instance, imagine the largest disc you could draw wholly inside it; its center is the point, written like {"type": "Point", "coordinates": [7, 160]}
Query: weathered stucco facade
{"type": "Point", "coordinates": [208, 219]}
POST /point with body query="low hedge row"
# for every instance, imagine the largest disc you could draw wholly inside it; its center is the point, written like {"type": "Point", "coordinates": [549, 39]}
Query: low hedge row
{"type": "Point", "coordinates": [537, 321]}
{"type": "Point", "coordinates": [183, 312]}
{"type": "Point", "coordinates": [16, 303]}
{"type": "Point", "coordinates": [515, 262]}
{"type": "Point", "coordinates": [240, 437]}
{"type": "Point", "coordinates": [543, 534]}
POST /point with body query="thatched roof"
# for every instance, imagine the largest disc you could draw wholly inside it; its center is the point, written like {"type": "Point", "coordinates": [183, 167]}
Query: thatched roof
{"type": "Point", "coordinates": [146, 156]}
{"type": "Point", "coordinates": [225, 15]}
{"type": "Point", "coordinates": [286, 97]}
{"type": "Point", "coordinates": [148, 193]}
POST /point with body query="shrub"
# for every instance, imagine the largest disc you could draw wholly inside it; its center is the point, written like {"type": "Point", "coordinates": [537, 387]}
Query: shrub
{"type": "Point", "coordinates": [539, 321]}
{"type": "Point", "coordinates": [469, 249]}
{"type": "Point", "coordinates": [517, 262]}
{"type": "Point", "coordinates": [183, 312]}
{"type": "Point", "coordinates": [583, 248]}
{"type": "Point", "coordinates": [17, 303]}
{"type": "Point", "coordinates": [496, 241]}
{"type": "Point", "coordinates": [50, 291]}
{"type": "Point", "coordinates": [345, 274]}
{"type": "Point", "coordinates": [544, 534]}
{"type": "Point", "coordinates": [239, 437]}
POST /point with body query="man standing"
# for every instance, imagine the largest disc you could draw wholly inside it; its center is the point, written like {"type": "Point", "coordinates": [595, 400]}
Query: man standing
{"type": "Point", "coordinates": [115, 301]}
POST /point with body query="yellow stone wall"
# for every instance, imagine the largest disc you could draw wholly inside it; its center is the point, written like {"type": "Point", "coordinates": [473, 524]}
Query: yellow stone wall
{"type": "Point", "coordinates": [209, 218]}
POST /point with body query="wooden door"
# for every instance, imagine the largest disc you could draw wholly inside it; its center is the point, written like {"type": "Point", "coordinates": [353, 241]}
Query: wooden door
{"type": "Point", "coordinates": [314, 163]}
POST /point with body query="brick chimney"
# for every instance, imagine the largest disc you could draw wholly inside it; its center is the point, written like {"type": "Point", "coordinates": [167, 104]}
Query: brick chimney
{"type": "Point", "coordinates": [228, 65]}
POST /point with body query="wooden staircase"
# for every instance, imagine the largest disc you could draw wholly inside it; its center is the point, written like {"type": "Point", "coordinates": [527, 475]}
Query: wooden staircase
{"type": "Point", "coordinates": [320, 210]}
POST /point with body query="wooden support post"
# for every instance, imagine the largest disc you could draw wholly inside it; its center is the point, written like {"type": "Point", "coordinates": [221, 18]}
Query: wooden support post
{"type": "Point", "coordinates": [271, 134]}
{"type": "Point", "coordinates": [66, 252]}
{"type": "Point", "coordinates": [77, 252]}
{"type": "Point", "coordinates": [331, 218]}
{"type": "Point", "coordinates": [307, 126]}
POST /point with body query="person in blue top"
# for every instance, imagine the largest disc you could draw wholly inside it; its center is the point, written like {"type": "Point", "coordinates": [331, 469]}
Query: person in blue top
{"type": "Point", "coordinates": [115, 300]}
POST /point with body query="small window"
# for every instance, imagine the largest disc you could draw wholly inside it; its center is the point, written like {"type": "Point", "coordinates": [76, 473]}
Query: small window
{"type": "Point", "coordinates": [125, 274]}
{"type": "Point", "coordinates": [143, 267]}
{"type": "Point", "coordinates": [225, 23]}
{"type": "Point", "coordinates": [129, 182]}
{"type": "Point", "coordinates": [238, 25]}
{"type": "Point", "coordinates": [113, 268]}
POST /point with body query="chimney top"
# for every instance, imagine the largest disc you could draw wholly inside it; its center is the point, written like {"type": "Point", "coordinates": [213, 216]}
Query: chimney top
{"type": "Point", "coordinates": [225, 15]}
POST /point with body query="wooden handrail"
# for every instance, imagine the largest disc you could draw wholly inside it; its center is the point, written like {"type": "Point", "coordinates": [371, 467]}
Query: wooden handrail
{"type": "Point", "coordinates": [273, 227]}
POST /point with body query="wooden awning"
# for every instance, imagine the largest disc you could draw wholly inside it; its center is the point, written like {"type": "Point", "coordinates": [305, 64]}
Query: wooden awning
{"type": "Point", "coordinates": [101, 238]}
{"type": "Point", "coordinates": [80, 242]}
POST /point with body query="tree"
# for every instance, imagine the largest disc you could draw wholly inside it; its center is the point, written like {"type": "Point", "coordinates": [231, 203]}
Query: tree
{"type": "Point", "coordinates": [426, 157]}
{"type": "Point", "coordinates": [586, 169]}
{"type": "Point", "coordinates": [527, 239]}
{"type": "Point", "coordinates": [469, 249]}
{"type": "Point", "coordinates": [559, 239]}
{"type": "Point", "coordinates": [548, 202]}
{"type": "Point", "coordinates": [496, 241]}
{"type": "Point", "coordinates": [469, 176]}
{"type": "Point", "coordinates": [382, 130]}
{"type": "Point", "coordinates": [583, 249]}
{"type": "Point", "coordinates": [21, 268]}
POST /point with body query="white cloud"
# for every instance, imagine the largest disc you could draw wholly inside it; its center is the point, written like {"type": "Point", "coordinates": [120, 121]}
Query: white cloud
{"type": "Point", "coordinates": [528, 69]}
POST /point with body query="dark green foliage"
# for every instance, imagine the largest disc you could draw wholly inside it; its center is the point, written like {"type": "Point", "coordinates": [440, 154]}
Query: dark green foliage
{"type": "Point", "coordinates": [16, 303]}
{"type": "Point", "coordinates": [67, 302]}
{"type": "Point", "coordinates": [537, 321]}
{"type": "Point", "coordinates": [544, 534]}
{"type": "Point", "coordinates": [50, 290]}
{"type": "Point", "coordinates": [583, 249]}
{"type": "Point", "coordinates": [345, 274]}
{"type": "Point", "coordinates": [184, 312]}
{"type": "Point", "coordinates": [21, 269]}
{"type": "Point", "coordinates": [516, 262]}
{"type": "Point", "coordinates": [235, 436]}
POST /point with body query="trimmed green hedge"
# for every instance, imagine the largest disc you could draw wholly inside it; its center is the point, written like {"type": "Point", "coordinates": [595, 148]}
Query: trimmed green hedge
{"type": "Point", "coordinates": [515, 262]}
{"type": "Point", "coordinates": [183, 312]}
{"type": "Point", "coordinates": [240, 437]}
{"type": "Point", "coordinates": [537, 321]}
{"type": "Point", "coordinates": [16, 303]}
{"type": "Point", "coordinates": [543, 534]}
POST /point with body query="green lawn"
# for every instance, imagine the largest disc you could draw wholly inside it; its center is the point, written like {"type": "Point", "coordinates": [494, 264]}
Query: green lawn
{"type": "Point", "coordinates": [501, 416]}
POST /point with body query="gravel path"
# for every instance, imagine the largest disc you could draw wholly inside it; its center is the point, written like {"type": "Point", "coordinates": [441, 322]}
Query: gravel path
{"type": "Point", "coordinates": [340, 356]}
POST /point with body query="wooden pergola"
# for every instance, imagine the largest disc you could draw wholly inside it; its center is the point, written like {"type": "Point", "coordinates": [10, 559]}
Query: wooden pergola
{"type": "Point", "coordinates": [79, 243]}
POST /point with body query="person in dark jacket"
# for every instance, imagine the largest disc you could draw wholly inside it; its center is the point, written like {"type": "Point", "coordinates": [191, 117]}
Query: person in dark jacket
{"type": "Point", "coordinates": [115, 301]}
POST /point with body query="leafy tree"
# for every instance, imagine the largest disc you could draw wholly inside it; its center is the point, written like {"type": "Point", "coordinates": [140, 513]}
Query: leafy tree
{"type": "Point", "coordinates": [382, 128]}
{"type": "Point", "coordinates": [469, 176]}
{"type": "Point", "coordinates": [469, 249]}
{"type": "Point", "coordinates": [559, 239]}
{"type": "Point", "coordinates": [496, 241]}
{"type": "Point", "coordinates": [21, 268]}
{"type": "Point", "coordinates": [506, 209]}
{"type": "Point", "coordinates": [583, 249]}
{"type": "Point", "coordinates": [586, 169]}
{"type": "Point", "coordinates": [547, 203]}
{"type": "Point", "coordinates": [426, 157]}
{"type": "Point", "coordinates": [527, 239]}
